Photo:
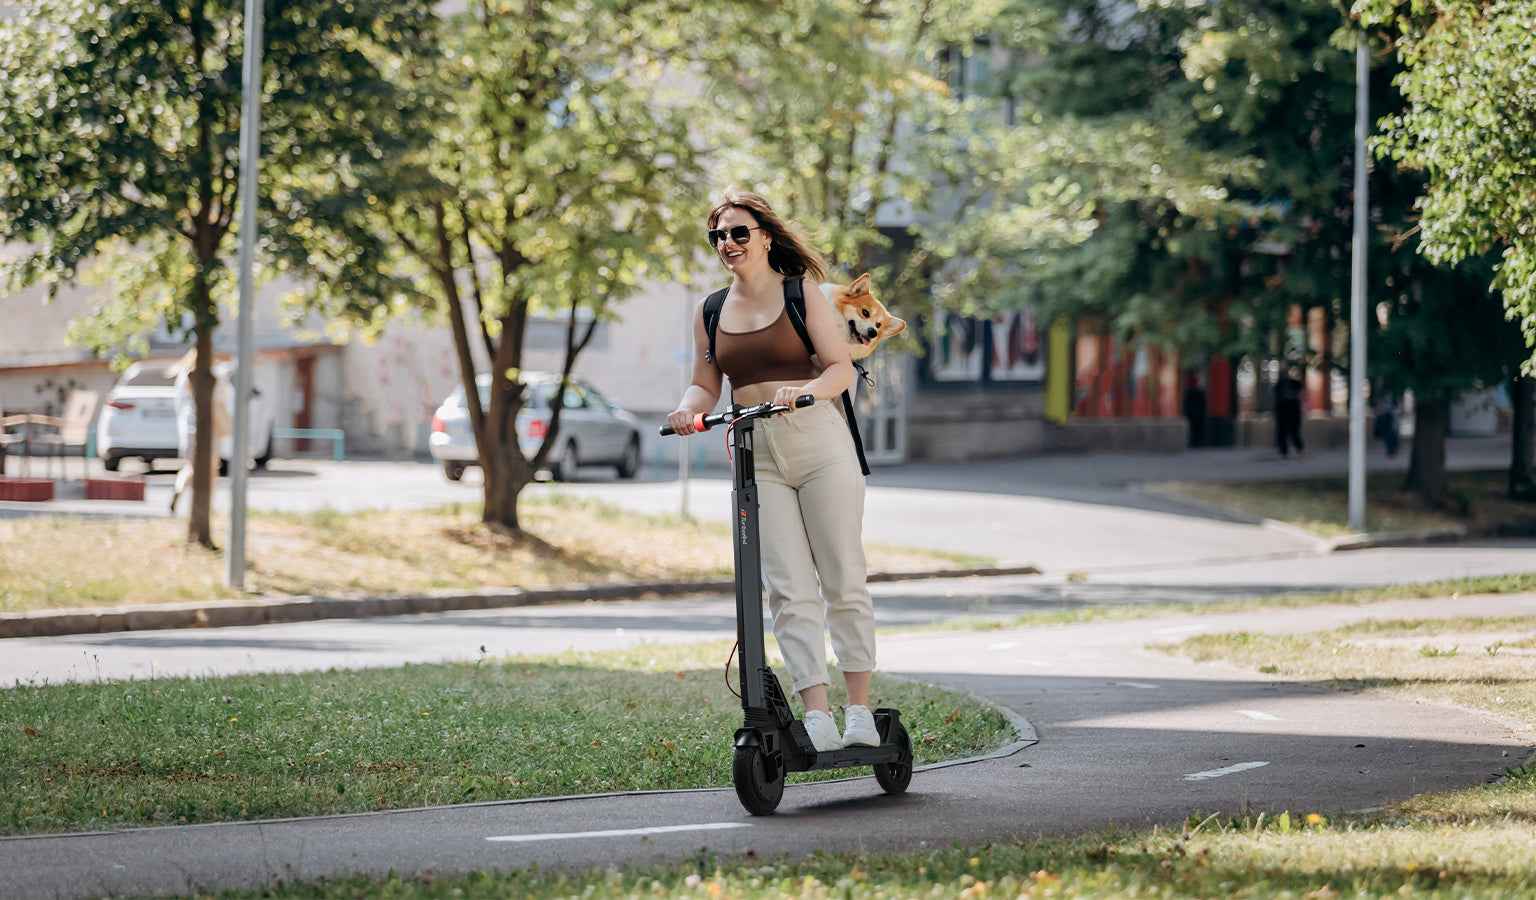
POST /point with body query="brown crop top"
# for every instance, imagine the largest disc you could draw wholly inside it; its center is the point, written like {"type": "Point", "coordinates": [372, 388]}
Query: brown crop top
{"type": "Point", "coordinates": [772, 353]}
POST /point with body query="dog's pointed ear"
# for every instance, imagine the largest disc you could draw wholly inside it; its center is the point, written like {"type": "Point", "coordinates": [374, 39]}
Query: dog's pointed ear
{"type": "Point", "coordinates": [860, 285]}
{"type": "Point", "coordinates": [892, 326]}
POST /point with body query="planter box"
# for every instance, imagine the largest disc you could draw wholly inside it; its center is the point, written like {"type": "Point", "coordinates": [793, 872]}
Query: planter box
{"type": "Point", "coordinates": [26, 490]}
{"type": "Point", "coordinates": [114, 488]}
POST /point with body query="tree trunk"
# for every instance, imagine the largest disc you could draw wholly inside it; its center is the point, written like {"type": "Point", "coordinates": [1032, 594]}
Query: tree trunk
{"type": "Point", "coordinates": [1522, 471]}
{"type": "Point", "coordinates": [506, 474]}
{"type": "Point", "coordinates": [1426, 470]}
{"type": "Point", "coordinates": [204, 453]}
{"type": "Point", "coordinates": [507, 471]}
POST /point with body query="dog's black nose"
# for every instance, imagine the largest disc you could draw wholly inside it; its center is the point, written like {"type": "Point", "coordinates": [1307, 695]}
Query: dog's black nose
{"type": "Point", "coordinates": [871, 332]}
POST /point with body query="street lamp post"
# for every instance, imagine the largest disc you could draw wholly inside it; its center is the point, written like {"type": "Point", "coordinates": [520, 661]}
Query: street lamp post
{"type": "Point", "coordinates": [250, 162]}
{"type": "Point", "coordinates": [1357, 299]}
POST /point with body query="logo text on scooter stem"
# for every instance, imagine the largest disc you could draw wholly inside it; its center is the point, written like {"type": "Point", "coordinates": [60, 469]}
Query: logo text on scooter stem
{"type": "Point", "coordinates": [741, 527]}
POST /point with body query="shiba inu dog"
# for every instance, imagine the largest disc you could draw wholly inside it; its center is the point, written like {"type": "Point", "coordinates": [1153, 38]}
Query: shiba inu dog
{"type": "Point", "coordinates": [865, 317]}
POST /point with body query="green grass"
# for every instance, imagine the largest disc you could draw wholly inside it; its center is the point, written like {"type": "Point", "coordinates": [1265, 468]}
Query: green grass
{"type": "Point", "coordinates": [171, 751]}
{"type": "Point", "coordinates": [1476, 500]}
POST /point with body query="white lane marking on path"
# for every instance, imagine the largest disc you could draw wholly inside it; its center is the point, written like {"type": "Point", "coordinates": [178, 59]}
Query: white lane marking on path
{"type": "Point", "coordinates": [1261, 716]}
{"type": "Point", "coordinates": [617, 832]}
{"type": "Point", "coordinates": [1138, 685]}
{"type": "Point", "coordinates": [1228, 770]}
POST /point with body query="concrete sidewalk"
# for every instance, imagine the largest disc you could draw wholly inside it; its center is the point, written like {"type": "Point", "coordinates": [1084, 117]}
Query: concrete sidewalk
{"type": "Point", "coordinates": [1059, 516]}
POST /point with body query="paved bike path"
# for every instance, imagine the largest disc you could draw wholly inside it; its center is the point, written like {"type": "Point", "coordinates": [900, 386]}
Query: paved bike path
{"type": "Point", "coordinates": [1126, 736]}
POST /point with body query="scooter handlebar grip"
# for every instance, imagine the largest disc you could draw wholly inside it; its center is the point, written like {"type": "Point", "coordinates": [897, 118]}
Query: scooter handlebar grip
{"type": "Point", "coordinates": [700, 423]}
{"type": "Point", "coordinates": [805, 400]}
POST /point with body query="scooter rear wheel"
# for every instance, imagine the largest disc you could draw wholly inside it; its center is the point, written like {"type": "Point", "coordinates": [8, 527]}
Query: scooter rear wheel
{"type": "Point", "coordinates": [756, 791]}
{"type": "Point", "coordinates": [895, 776]}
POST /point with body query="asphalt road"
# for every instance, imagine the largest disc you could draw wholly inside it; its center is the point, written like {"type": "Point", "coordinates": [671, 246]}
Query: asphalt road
{"type": "Point", "coordinates": [1113, 733]}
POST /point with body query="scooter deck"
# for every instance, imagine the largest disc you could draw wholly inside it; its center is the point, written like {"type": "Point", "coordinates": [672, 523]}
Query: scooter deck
{"type": "Point", "coordinates": [849, 757]}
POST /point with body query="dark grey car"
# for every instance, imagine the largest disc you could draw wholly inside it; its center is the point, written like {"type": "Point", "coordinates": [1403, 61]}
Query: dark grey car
{"type": "Point", "coordinates": [592, 430]}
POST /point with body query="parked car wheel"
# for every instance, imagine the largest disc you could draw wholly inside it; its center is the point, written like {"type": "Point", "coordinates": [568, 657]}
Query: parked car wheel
{"type": "Point", "coordinates": [266, 455]}
{"type": "Point", "coordinates": [564, 468]}
{"type": "Point", "coordinates": [629, 464]}
{"type": "Point", "coordinates": [453, 469]}
{"type": "Point", "coordinates": [112, 463]}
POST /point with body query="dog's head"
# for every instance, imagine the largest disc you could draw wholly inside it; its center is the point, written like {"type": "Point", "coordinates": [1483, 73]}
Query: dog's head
{"type": "Point", "coordinates": [865, 319]}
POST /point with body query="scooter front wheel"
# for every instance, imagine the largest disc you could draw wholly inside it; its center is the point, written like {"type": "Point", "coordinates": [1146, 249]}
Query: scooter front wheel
{"type": "Point", "coordinates": [759, 793]}
{"type": "Point", "coordinates": [895, 776]}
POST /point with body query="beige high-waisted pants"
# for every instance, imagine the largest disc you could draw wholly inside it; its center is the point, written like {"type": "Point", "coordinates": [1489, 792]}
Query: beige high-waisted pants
{"type": "Point", "coordinates": [811, 524]}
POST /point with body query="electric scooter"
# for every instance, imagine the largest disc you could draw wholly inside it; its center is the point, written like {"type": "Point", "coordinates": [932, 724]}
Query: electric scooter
{"type": "Point", "coordinates": [771, 742]}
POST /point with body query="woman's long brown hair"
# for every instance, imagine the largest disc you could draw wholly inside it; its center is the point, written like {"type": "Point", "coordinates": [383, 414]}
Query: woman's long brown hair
{"type": "Point", "coordinates": [789, 255]}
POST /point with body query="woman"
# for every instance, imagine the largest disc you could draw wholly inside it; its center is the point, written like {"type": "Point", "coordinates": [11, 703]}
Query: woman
{"type": "Point", "coordinates": [810, 487]}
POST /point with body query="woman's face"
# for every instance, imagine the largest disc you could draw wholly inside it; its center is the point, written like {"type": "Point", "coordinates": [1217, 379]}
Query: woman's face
{"type": "Point", "coordinates": [738, 256]}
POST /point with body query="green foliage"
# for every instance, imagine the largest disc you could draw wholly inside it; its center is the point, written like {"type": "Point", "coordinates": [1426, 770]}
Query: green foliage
{"type": "Point", "coordinates": [119, 143]}
{"type": "Point", "coordinates": [558, 177]}
{"type": "Point", "coordinates": [1163, 207]}
{"type": "Point", "coordinates": [1469, 126]}
{"type": "Point", "coordinates": [836, 111]}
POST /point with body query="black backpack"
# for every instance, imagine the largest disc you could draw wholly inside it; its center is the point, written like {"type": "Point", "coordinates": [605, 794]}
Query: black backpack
{"type": "Point", "coordinates": [794, 302]}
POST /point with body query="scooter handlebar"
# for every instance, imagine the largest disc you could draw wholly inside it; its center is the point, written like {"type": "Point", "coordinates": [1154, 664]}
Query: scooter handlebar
{"type": "Point", "coordinates": [706, 421]}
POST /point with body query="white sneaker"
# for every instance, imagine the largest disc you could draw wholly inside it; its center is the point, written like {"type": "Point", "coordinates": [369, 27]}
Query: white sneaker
{"type": "Point", "coordinates": [860, 728]}
{"type": "Point", "coordinates": [823, 731]}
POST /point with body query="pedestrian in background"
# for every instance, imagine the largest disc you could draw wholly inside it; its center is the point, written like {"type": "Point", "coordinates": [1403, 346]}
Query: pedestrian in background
{"type": "Point", "coordinates": [1386, 419]}
{"type": "Point", "coordinates": [1288, 412]}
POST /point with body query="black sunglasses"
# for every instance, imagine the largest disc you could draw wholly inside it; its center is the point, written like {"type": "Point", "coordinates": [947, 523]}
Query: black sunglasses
{"type": "Point", "coordinates": [740, 234]}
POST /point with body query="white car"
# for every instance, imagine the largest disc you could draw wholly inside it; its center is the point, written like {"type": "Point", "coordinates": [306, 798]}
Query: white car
{"type": "Point", "coordinates": [592, 430]}
{"type": "Point", "coordinates": [138, 418]}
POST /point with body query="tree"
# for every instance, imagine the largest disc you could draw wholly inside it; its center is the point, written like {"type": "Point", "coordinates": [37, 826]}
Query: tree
{"type": "Point", "coordinates": [1273, 84]}
{"type": "Point", "coordinates": [1441, 331]}
{"type": "Point", "coordinates": [1281, 76]}
{"type": "Point", "coordinates": [557, 179]}
{"type": "Point", "coordinates": [119, 144]}
{"type": "Point", "coordinates": [1469, 127]}
{"type": "Point", "coordinates": [857, 116]}
{"type": "Point", "coordinates": [1117, 123]}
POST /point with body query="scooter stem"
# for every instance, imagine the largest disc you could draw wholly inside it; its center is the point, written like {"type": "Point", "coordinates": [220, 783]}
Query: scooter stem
{"type": "Point", "coordinates": [749, 584]}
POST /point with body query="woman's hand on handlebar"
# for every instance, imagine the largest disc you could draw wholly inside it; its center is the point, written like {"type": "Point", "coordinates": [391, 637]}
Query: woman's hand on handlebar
{"type": "Point", "coordinates": [681, 421]}
{"type": "Point", "coordinates": [790, 397]}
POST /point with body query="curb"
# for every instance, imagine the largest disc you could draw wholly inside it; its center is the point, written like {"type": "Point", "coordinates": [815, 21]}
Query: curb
{"type": "Point", "coordinates": [268, 611]}
{"type": "Point", "coordinates": [1447, 534]}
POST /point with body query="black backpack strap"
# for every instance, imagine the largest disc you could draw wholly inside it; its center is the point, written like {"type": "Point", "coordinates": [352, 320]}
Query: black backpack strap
{"type": "Point", "coordinates": [712, 306]}
{"type": "Point", "coordinates": [794, 302]}
{"type": "Point", "coordinates": [853, 428]}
